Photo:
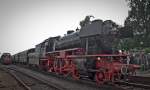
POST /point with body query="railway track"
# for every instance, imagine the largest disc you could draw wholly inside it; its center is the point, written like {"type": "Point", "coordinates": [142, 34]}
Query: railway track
{"type": "Point", "coordinates": [19, 80]}
{"type": "Point", "coordinates": [32, 83]}
{"type": "Point", "coordinates": [66, 83]}
{"type": "Point", "coordinates": [131, 84]}
{"type": "Point", "coordinates": [140, 79]}
{"type": "Point", "coordinates": [83, 81]}
{"type": "Point", "coordinates": [135, 83]}
{"type": "Point", "coordinates": [8, 82]}
{"type": "Point", "coordinates": [120, 84]}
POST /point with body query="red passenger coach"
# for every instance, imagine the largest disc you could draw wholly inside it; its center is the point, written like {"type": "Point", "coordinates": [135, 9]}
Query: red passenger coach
{"type": "Point", "coordinates": [6, 58]}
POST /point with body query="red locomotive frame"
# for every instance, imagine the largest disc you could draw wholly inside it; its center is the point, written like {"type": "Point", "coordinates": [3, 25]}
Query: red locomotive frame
{"type": "Point", "coordinates": [108, 67]}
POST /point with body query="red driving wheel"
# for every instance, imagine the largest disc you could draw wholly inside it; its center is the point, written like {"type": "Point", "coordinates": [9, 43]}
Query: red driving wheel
{"type": "Point", "coordinates": [99, 76]}
{"type": "Point", "coordinates": [75, 73]}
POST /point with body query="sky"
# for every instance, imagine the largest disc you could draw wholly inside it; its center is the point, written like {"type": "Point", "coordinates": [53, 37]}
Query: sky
{"type": "Point", "coordinates": [25, 23]}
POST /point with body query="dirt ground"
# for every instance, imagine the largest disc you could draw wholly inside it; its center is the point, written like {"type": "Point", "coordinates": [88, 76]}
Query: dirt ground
{"type": "Point", "coordinates": [7, 82]}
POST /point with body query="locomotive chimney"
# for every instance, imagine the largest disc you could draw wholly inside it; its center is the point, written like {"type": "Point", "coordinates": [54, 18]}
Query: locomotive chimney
{"type": "Point", "coordinates": [70, 31]}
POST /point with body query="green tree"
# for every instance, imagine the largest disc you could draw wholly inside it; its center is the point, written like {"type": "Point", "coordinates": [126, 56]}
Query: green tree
{"type": "Point", "coordinates": [139, 20]}
{"type": "Point", "coordinates": [86, 21]}
{"type": "Point", "coordinates": [125, 32]}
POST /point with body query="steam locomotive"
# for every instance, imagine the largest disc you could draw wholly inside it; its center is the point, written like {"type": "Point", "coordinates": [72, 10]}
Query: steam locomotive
{"type": "Point", "coordinates": [88, 52]}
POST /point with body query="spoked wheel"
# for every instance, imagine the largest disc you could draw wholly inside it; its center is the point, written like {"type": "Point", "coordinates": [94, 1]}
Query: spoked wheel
{"type": "Point", "coordinates": [99, 77]}
{"type": "Point", "coordinates": [66, 72]}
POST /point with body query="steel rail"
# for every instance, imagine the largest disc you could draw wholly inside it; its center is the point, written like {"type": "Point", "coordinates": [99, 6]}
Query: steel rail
{"type": "Point", "coordinates": [137, 85]}
{"type": "Point", "coordinates": [41, 80]}
{"type": "Point", "coordinates": [17, 79]}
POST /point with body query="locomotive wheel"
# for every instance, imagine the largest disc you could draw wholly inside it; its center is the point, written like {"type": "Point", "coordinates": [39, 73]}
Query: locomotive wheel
{"type": "Point", "coordinates": [75, 74]}
{"type": "Point", "coordinates": [124, 70]}
{"type": "Point", "coordinates": [99, 77]}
